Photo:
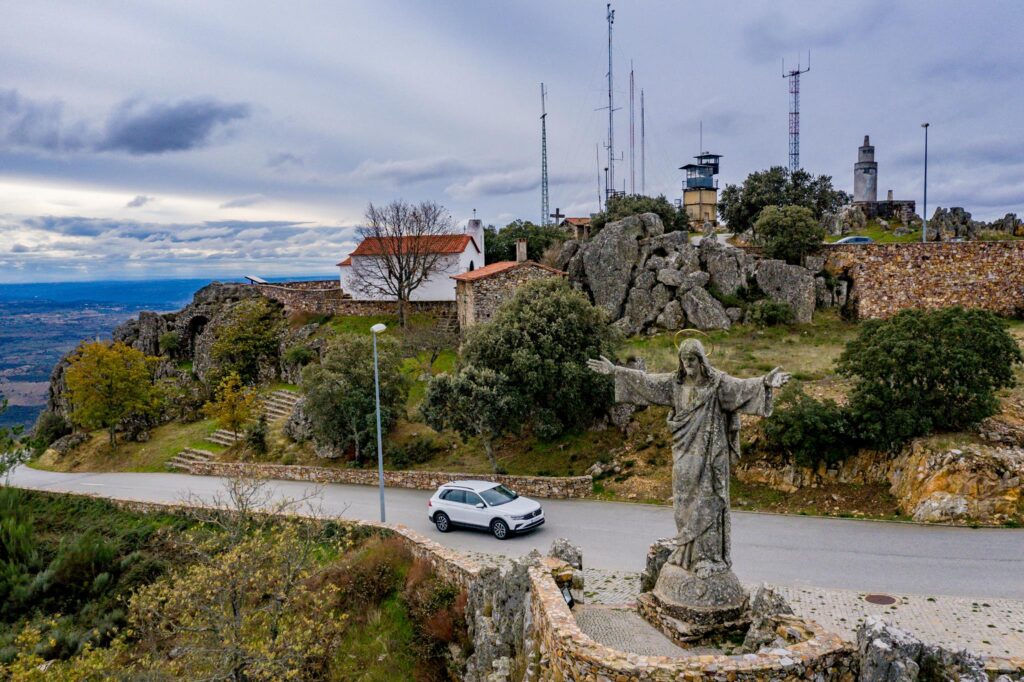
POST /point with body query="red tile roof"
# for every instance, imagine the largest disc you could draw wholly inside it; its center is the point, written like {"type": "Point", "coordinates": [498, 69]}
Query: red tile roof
{"type": "Point", "coordinates": [442, 243]}
{"type": "Point", "coordinates": [577, 221]}
{"type": "Point", "coordinates": [495, 268]}
{"type": "Point", "coordinates": [345, 263]}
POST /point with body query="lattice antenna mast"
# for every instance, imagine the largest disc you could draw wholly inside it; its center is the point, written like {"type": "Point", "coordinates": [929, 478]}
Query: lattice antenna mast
{"type": "Point", "coordinates": [793, 75]}
{"type": "Point", "coordinates": [610, 183]}
{"type": "Point", "coordinates": [544, 201]}
{"type": "Point", "coordinates": [632, 135]}
{"type": "Point", "coordinates": [643, 156]}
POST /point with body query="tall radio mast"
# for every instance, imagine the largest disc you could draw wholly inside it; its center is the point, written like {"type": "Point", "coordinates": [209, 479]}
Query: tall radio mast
{"type": "Point", "coordinates": [544, 203]}
{"type": "Point", "coordinates": [643, 147]}
{"type": "Point", "coordinates": [793, 75]}
{"type": "Point", "coordinates": [610, 182]}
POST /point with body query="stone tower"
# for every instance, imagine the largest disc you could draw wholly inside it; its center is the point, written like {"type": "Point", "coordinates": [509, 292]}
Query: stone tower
{"type": "Point", "coordinates": [865, 174]}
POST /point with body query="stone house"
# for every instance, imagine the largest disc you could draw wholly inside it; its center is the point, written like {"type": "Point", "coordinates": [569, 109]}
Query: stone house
{"type": "Point", "coordinates": [479, 293]}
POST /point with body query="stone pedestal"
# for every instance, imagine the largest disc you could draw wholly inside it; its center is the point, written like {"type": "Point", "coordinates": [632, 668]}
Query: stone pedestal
{"type": "Point", "coordinates": [690, 609]}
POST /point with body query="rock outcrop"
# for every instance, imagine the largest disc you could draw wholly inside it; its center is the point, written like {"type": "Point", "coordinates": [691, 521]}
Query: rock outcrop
{"type": "Point", "coordinates": [646, 279]}
{"type": "Point", "coordinates": [194, 325]}
{"type": "Point", "coordinates": [974, 483]}
{"type": "Point", "coordinates": [888, 654]}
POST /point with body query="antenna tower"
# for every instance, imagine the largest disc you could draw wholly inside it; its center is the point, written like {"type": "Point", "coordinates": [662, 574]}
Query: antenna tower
{"type": "Point", "coordinates": [643, 156]}
{"type": "Point", "coordinates": [632, 136]}
{"type": "Point", "coordinates": [793, 75]}
{"type": "Point", "coordinates": [610, 183]}
{"type": "Point", "coordinates": [544, 203]}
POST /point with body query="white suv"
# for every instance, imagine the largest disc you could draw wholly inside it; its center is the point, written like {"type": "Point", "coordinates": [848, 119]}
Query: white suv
{"type": "Point", "coordinates": [483, 504]}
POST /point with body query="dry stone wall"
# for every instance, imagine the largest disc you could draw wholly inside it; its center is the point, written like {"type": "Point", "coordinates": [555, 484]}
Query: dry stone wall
{"type": "Point", "coordinates": [326, 297]}
{"type": "Point", "coordinates": [887, 278]}
{"type": "Point", "coordinates": [538, 486]}
{"type": "Point", "coordinates": [478, 299]}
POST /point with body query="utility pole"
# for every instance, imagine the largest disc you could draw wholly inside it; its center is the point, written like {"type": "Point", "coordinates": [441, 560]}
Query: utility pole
{"type": "Point", "coordinates": [793, 75]}
{"type": "Point", "coordinates": [643, 157]}
{"type": "Point", "coordinates": [597, 161]}
{"type": "Point", "coordinates": [544, 204]}
{"type": "Point", "coordinates": [610, 182]}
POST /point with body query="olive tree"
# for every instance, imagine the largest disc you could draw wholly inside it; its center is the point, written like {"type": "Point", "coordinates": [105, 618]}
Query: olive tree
{"type": "Point", "coordinates": [540, 341]}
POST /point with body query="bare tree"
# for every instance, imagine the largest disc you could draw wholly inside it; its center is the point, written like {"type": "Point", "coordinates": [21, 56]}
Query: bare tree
{"type": "Point", "coordinates": [403, 247]}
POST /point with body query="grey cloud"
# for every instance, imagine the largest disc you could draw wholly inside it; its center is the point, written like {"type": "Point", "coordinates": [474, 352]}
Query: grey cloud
{"type": "Point", "coordinates": [283, 160]}
{"type": "Point", "coordinates": [773, 35]}
{"type": "Point", "coordinates": [139, 201]}
{"type": "Point", "coordinates": [33, 124]}
{"type": "Point", "coordinates": [985, 70]}
{"type": "Point", "coordinates": [242, 202]}
{"type": "Point", "coordinates": [132, 127]}
{"type": "Point", "coordinates": [410, 170]}
{"type": "Point", "coordinates": [19, 248]}
{"type": "Point", "coordinates": [167, 127]}
{"type": "Point", "coordinates": [508, 182]}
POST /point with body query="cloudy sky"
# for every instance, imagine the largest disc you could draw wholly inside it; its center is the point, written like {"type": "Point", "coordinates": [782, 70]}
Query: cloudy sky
{"type": "Point", "coordinates": [183, 139]}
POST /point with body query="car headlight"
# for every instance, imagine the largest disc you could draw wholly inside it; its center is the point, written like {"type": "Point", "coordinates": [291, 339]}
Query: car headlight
{"type": "Point", "coordinates": [522, 517]}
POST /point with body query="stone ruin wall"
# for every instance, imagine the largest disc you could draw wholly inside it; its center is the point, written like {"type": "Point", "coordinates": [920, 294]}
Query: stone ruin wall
{"type": "Point", "coordinates": [539, 486]}
{"type": "Point", "coordinates": [888, 278]}
{"type": "Point", "coordinates": [326, 297]}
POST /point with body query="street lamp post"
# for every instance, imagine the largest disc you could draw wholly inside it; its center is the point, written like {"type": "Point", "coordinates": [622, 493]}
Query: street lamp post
{"type": "Point", "coordinates": [924, 212]}
{"type": "Point", "coordinates": [378, 329]}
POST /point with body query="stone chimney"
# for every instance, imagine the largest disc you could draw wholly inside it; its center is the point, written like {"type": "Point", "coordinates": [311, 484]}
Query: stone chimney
{"type": "Point", "coordinates": [520, 250]}
{"type": "Point", "coordinates": [890, 195]}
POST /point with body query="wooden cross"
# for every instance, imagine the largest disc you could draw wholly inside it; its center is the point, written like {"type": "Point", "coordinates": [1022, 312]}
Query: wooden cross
{"type": "Point", "coordinates": [557, 215]}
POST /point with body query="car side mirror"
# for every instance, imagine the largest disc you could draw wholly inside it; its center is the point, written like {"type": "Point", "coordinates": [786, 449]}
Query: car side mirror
{"type": "Point", "coordinates": [479, 505]}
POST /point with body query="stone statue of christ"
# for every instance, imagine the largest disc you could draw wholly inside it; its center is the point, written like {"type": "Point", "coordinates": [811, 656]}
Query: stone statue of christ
{"type": "Point", "coordinates": [705, 404]}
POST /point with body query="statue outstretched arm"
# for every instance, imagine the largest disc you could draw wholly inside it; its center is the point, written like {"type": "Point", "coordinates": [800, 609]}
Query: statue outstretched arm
{"type": "Point", "coordinates": [634, 385]}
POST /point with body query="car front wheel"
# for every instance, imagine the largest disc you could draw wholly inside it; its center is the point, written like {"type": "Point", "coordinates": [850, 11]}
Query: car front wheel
{"type": "Point", "coordinates": [500, 529]}
{"type": "Point", "coordinates": [442, 522]}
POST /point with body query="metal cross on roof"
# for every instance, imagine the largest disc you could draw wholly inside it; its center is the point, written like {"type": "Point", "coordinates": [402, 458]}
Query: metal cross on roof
{"type": "Point", "coordinates": [558, 215]}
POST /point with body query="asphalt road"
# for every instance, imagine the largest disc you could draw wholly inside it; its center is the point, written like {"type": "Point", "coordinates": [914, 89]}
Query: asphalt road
{"type": "Point", "coordinates": [790, 550]}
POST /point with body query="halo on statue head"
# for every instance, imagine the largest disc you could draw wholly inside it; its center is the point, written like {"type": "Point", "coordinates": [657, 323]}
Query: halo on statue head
{"type": "Point", "coordinates": [690, 334]}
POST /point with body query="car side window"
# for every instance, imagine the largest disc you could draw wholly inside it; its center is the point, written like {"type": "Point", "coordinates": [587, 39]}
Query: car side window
{"type": "Point", "coordinates": [454, 496]}
{"type": "Point", "coordinates": [473, 499]}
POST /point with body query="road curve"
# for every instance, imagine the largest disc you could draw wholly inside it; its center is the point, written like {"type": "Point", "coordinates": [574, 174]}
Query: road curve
{"type": "Point", "coordinates": [790, 550]}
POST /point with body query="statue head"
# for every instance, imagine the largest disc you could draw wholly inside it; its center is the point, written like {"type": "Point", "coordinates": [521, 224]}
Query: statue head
{"type": "Point", "coordinates": [693, 361]}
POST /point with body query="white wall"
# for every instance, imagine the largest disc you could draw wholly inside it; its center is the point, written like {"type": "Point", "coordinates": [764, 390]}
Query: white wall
{"type": "Point", "coordinates": [439, 287]}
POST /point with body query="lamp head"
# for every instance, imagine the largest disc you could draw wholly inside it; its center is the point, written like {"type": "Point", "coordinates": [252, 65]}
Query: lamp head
{"type": "Point", "coordinates": [378, 328]}
{"type": "Point", "coordinates": [925, 125]}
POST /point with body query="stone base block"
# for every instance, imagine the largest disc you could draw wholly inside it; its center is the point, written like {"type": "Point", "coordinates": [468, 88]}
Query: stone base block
{"type": "Point", "coordinates": [690, 627]}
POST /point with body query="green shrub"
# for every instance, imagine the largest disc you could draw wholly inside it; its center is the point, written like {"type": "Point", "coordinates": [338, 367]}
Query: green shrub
{"type": "Point", "coordinates": [924, 371]}
{"type": "Point", "coordinates": [256, 436]}
{"type": "Point", "coordinates": [809, 430]}
{"type": "Point", "coordinates": [299, 355]}
{"type": "Point", "coordinates": [416, 451]}
{"type": "Point", "coordinates": [540, 341]}
{"type": "Point", "coordinates": [248, 340]}
{"type": "Point", "coordinates": [49, 427]}
{"type": "Point", "coordinates": [770, 313]}
{"type": "Point", "coordinates": [170, 343]}
{"type": "Point", "coordinates": [789, 233]}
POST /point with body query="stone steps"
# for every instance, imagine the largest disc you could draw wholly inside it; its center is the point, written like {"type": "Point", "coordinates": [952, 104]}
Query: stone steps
{"type": "Point", "coordinates": [225, 438]}
{"type": "Point", "coordinates": [184, 460]}
{"type": "Point", "coordinates": [280, 404]}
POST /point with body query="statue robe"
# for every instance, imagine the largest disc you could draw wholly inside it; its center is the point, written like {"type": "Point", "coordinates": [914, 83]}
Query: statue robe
{"type": "Point", "coordinates": [705, 423]}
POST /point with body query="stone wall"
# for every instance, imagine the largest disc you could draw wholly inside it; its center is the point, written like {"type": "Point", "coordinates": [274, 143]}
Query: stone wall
{"type": "Point", "coordinates": [887, 278]}
{"type": "Point", "coordinates": [478, 299]}
{"type": "Point", "coordinates": [566, 653]}
{"type": "Point", "coordinates": [326, 297]}
{"type": "Point", "coordinates": [537, 486]}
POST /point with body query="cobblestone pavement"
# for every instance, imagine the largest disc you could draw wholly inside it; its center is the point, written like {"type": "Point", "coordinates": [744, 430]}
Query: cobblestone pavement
{"type": "Point", "coordinates": [623, 629]}
{"type": "Point", "coordinates": [993, 627]}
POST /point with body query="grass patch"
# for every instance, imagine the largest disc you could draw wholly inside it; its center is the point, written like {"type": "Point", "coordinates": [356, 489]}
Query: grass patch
{"type": "Point", "coordinates": [806, 350]}
{"type": "Point", "coordinates": [874, 230]}
{"type": "Point", "coordinates": [387, 635]}
{"type": "Point", "coordinates": [165, 442]}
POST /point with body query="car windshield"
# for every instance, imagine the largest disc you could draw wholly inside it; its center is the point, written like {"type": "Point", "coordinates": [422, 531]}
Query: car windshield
{"type": "Point", "coordinates": [498, 495]}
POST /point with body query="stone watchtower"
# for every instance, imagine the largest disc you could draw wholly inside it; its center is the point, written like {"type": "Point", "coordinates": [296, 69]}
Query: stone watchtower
{"type": "Point", "coordinates": [865, 174]}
